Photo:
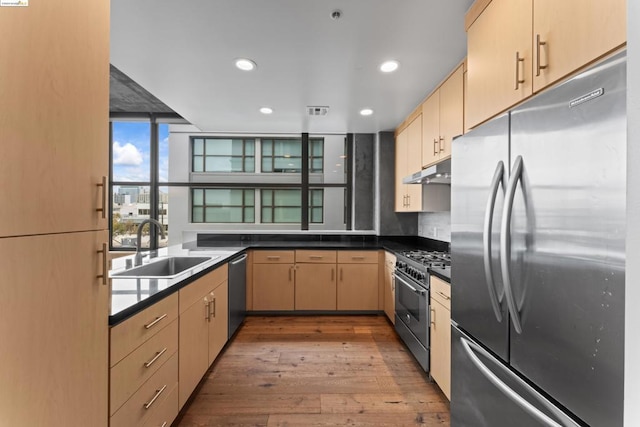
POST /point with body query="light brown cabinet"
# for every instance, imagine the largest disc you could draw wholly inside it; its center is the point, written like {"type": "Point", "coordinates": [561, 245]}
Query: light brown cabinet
{"type": "Point", "coordinates": [273, 280]}
{"type": "Point", "coordinates": [54, 117]}
{"type": "Point", "coordinates": [315, 284]}
{"type": "Point", "coordinates": [498, 59]}
{"type": "Point", "coordinates": [440, 368]}
{"type": "Point", "coordinates": [518, 47]}
{"type": "Point", "coordinates": [358, 280]}
{"type": "Point", "coordinates": [54, 330]}
{"type": "Point", "coordinates": [202, 306]}
{"type": "Point", "coordinates": [571, 33]}
{"type": "Point", "coordinates": [442, 119]}
{"type": "Point", "coordinates": [389, 287]}
{"type": "Point", "coordinates": [408, 160]}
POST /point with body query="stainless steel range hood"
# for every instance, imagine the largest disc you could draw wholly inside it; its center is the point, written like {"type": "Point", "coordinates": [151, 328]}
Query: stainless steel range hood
{"type": "Point", "coordinates": [436, 174]}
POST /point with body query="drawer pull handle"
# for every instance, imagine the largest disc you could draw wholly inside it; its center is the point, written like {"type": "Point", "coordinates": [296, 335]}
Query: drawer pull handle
{"type": "Point", "coordinates": [273, 257]}
{"type": "Point", "coordinates": [164, 424]}
{"type": "Point", "coordinates": [103, 204]}
{"type": "Point", "coordinates": [357, 257]}
{"type": "Point", "coordinates": [316, 257]}
{"type": "Point", "coordinates": [444, 295]}
{"type": "Point", "coordinates": [152, 324]}
{"type": "Point", "coordinates": [158, 393]}
{"type": "Point", "coordinates": [157, 356]}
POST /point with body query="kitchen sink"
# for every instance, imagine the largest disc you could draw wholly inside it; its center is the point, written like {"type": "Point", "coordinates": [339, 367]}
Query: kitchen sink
{"type": "Point", "coordinates": [165, 268]}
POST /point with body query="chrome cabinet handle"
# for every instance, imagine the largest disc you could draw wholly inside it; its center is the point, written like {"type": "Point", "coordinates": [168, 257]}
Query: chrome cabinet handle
{"type": "Point", "coordinates": [154, 398]}
{"type": "Point", "coordinates": [290, 268]}
{"type": "Point", "coordinates": [519, 81]}
{"type": "Point", "coordinates": [273, 257]}
{"type": "Point", "coordinates": [156, 357]}
{"type": "Point", "coordinates": [105, 264]}
{"type": "Point", "coordinates": [214, 306]}
{"type": "Point", "coordinates": [103, 208]}
{"type": "Point", "coordinates": [486, 241]}
{"type": "Point", "coordinates": [498, 383]}
{"type": "Point", "coordinates": [164, 424]}
{"type": "Point", "coordinates": [357, 257]}
{"type": "Point", "coordinates": [505, 243]}
{"type": "Point", "coordinates": [333, 273]}
{"type": "Point", "coordinates": [155, 322]}
{"type": "Point", "coordinates": [538, 44]}
{"type": "Point", "coordinates": [436, 146]}
{"type": "Point", "coordinates": [433, 317]}
{"type": "Point", "coordinates": [207, 309]}
{"type": "Point", "coordinates": [316, 257]}
{"type": "Point", "coordinates": [440, 141]}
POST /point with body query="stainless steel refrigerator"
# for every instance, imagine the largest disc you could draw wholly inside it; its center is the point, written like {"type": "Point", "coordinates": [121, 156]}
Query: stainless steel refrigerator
{"type": "Point", "coordinates": [538, 259]}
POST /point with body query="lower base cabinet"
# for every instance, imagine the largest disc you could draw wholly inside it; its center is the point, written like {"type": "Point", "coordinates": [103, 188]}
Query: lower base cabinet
{"type": "Point", "coordinates": [203, 303]}
{"type": "Point", "coordinates": [159, 355]}
{"type": "Point", "coordinates": [358, 280]}
{"type": "Point", "coordinates": [441, 334]}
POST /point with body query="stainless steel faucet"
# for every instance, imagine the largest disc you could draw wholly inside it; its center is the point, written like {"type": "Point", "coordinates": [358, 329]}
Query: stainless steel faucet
{"type": "Point", "coordinates": [139, 256]}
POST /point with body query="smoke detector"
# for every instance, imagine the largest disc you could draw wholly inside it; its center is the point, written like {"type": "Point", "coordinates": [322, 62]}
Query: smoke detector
{"type": "Point", "coordinates": [317, 110]}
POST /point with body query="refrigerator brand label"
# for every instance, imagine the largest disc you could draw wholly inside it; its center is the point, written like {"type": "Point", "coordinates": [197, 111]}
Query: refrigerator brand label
{"type": "Point", "coordinates": [17, 3]}
{"type": "Point", "coordinates": [588, 97]}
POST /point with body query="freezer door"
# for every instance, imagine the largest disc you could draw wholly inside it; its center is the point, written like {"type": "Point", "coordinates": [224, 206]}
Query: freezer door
{"type": "Point", "coordinates": [566, 258]}
{"type": "Point", "coordinates": [486, 393]}
{"type": "Point", "coordinates": [479, 170]}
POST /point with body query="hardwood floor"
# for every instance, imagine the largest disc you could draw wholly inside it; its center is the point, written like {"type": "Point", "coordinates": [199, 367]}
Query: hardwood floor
{"type": "Point", "coordinates": [316, 371]}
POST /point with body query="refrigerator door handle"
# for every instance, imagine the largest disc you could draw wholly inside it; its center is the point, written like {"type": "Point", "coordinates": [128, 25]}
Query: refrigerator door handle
{"type": "Point", "coordinates": [505, 243]}
{"type": "Point", "coordinates": [498, 383]}
{"type": "Point", "coordinates": [486, 241]}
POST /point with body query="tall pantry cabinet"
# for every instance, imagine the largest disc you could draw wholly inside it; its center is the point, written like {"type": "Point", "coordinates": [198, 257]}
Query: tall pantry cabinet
{"type": "Point", "coordinates": [54, 295]}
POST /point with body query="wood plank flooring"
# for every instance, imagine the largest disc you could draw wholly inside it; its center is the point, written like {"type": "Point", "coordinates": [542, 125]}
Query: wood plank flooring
{"type": "Point", "coordinates": [316, 371]}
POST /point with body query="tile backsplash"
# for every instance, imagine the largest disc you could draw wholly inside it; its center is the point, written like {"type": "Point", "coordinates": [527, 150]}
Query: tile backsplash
{"type": "Point", "coordinates": [435, 225]}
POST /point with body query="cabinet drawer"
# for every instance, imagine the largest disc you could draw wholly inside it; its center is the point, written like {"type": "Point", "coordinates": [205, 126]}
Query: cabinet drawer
{"type": "Point", "coordinates": [441, 292]}
{"type": "Point", "coordinates": [273, 257]}
{"type": "Point", "coordinates": [128, 335]}
{"type": "Point", "coordinates": [166, 412]}
{"type": "Point", "coordinates": [194, 291]}
{"type": "Point", "coordinates": [358, 257]}
{"type": "Point", "coordinates": [321, 257]}
{"type": "Point", "coordinates": [132, 371]}
{"type": "Point", "coordinates": [142, 407]}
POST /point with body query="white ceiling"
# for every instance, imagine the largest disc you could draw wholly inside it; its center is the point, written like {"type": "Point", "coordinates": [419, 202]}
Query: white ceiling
{"type": "Point", "coordinates": [183, 53]}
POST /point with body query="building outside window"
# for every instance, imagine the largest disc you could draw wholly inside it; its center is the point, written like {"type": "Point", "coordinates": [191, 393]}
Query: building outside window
{"type": "Point", "coordinates": [223, 155]}
{"type": "Point", "coordinates": [285, 206]}
{"type": "Point", "coordinates": [223, 205]}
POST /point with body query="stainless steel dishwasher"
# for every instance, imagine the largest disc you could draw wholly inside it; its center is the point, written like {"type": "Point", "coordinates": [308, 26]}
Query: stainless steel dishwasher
{"type": "Point", "coordinates": [237, 292]}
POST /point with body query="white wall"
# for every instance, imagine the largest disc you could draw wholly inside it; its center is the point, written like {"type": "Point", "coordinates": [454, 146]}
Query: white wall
{"type": "Point", "coordinates": [632, 291]}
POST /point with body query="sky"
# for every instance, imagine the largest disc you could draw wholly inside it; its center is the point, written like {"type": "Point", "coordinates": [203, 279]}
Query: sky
{"type": "Point", "coordinates": [131, 151]}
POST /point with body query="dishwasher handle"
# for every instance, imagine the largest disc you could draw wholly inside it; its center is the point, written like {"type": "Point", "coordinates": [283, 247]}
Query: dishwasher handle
{"type": "Point", "coordinates": [238, 260]}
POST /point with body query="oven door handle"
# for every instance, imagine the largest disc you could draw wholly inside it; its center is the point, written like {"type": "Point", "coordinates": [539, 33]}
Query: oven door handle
{"type": "Point", "coordinates": [408, 285]}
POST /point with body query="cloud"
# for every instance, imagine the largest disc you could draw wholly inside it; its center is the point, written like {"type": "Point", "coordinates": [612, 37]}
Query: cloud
{"type": "Point", "coordinates": [127, 154]}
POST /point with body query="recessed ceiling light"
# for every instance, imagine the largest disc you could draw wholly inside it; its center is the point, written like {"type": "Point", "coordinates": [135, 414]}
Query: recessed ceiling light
{"type": "Point", "coordinates": [366, 112]}
{"type": "Point", "coordinates": [245, 64]}
{"type": "Point", "coordinates": [389, 66]}
{"type": "Point", "coordinates": [266, 110]}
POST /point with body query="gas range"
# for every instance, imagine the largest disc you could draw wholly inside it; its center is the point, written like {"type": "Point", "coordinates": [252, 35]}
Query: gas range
{"type": "Point", "coordinates": [416, 264]}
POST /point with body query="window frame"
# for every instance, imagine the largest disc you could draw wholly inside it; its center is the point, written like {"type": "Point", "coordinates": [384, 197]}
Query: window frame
{"type": "Point", "coordinates": [204, 155]}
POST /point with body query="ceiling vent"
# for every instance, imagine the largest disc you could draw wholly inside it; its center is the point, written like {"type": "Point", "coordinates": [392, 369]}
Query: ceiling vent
{"type": "Point", "coordinates": [317, 111]}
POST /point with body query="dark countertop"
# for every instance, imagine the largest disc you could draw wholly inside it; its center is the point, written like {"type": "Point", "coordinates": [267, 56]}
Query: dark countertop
{"type": "Point", "coordinates": [132, 295]}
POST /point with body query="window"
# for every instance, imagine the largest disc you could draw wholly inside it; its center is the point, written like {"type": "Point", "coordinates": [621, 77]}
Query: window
{"type": "Point", "coordinates": [285, 155]}
{"type": "Point", "coordinates": [223, 205]}
{"type": "Point", "coordinates": [135, 192]}
{"type": "Point", "coordinates": [285, 206]}
{"type": "Point", "coordinates": [223, 155]}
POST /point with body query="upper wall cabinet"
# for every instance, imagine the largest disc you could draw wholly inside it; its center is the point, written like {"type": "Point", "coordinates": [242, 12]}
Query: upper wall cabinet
{"type": "Point", "coordinates": [498, 58]}
{"type": "Point", "coordinates": [408, 161]}
{"type": "Point", "coordinates": [519, 47]}
{"type": "Point", "coordinates": [54, 117]}
{"type": "Point", "coordinates": [442, 119]}
{"type": "Point", "coordinates": [568, 34]}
